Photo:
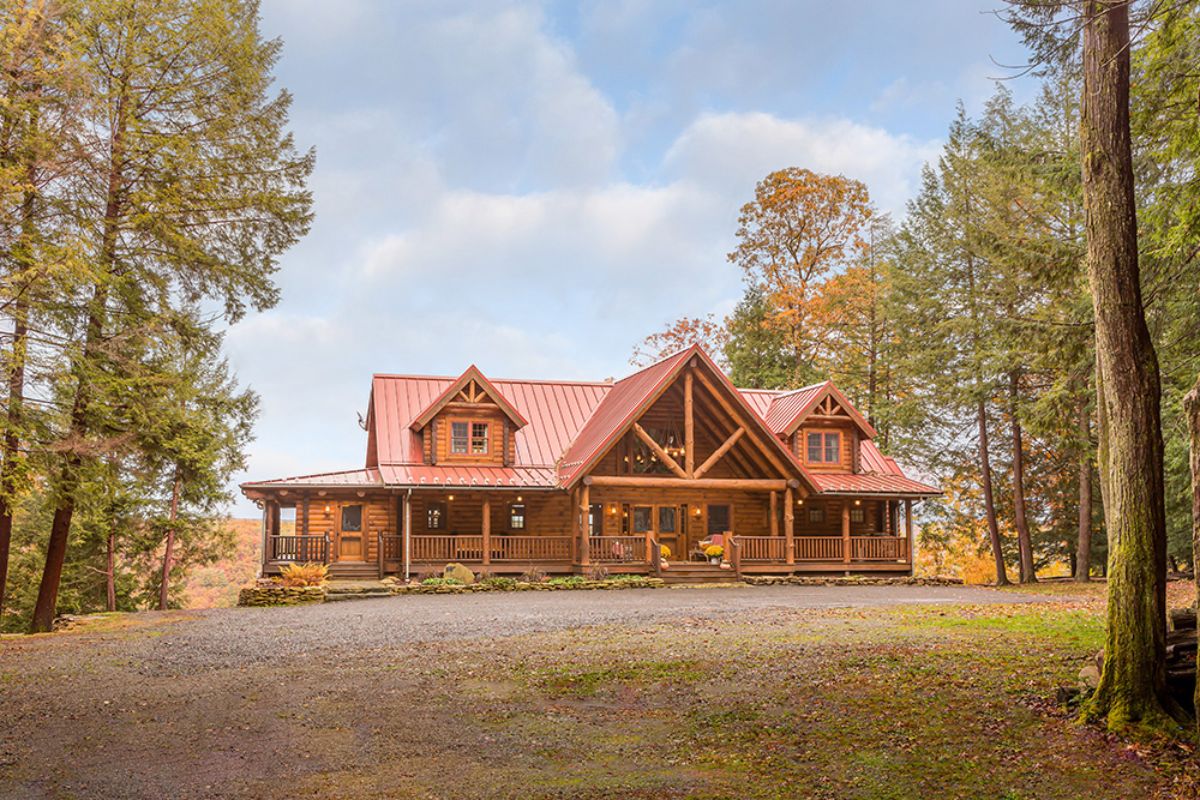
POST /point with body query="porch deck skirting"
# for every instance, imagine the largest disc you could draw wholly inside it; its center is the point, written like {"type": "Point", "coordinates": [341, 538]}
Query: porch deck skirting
{"type": "Point", "coordinates": [557, 552]}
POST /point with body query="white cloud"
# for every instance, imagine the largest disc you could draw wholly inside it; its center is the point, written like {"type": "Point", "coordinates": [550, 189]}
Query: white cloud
{"type": "Point", "coordinates": [730, 152]}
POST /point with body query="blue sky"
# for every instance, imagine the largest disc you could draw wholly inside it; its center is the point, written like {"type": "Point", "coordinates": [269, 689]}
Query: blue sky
{"type": "Point", "coordinates": [535, 187]}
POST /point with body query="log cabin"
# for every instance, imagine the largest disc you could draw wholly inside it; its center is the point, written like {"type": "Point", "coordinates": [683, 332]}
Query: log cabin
{"type": "Point", "coordinates": [633, 475]}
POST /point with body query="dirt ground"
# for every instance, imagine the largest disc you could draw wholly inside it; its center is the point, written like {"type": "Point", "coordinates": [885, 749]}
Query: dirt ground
{"type": "Point", "coordinates": [771, 692]}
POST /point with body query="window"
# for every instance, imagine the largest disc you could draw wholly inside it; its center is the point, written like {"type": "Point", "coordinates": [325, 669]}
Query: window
{"type": "Point", "coordinates": [643, 519]}
{"type": "Point", "coordinates": [666, 519]}
{"type": "Point", "coordinates": [857, 514]}
{"type": "Point", "coordinates": [816, 514]}
{"type": "Point", "coordinates": [595, 519]}
{"type": "Point", "coordinates": [479, 437]}
{"type": "Point", "coordinates": [435, 516]}
{"type": "Point", "coordinates": [458, 437]}
{"type": "Point", "coordinates": [516, 517]}
{"type": "Point", "coordinates": [351, 518]}
{"type": "Point", "coordinates": [718, 519]}
{"type": "Point", "coordinates": [824, 448]}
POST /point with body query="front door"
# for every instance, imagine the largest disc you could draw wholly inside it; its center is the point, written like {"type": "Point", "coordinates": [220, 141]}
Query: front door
{"type": "Point", "coordinates": [664, 524]}
{"type": "Point", "coordinates": [350, 543]}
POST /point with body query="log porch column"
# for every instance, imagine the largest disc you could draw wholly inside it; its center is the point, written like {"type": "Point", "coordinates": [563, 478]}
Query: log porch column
{"type": "Point", "coordinates": [486, 530]}
{"type": "Point", "coordinates": [774, 513]}
{"type": "Point", "coordinates": [908, 530]}
{"type": "Point", "coordinates": [846, 531]}
{"type": "Point", "coordinates": [266, 542]}
{"type": "Point", "coordinates": [585, 556]}
{"type": "Point", "coordinates": [789, 520]}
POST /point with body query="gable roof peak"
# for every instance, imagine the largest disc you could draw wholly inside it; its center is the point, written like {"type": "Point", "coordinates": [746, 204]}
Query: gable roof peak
{"type": "Point", "coordinates": [472, 373]}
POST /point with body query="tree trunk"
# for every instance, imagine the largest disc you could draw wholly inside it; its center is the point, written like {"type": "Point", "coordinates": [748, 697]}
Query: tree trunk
{"type": "Point", "coordinates": [989, 502]}
{"type": "Point", "coordinates": [110, 576]}
{"type": "Point", "coordinates": [1132, 688]}
{"type": "Point", "coordinates": [1191, 406]}
{"type": "Point", "coordinates": [169, 551]}
{"type": "Point", "coordinates": [11, 449]}
{"type": "Point", "coordinates": [60, 528]}
{"type": "Point", "coordinates": [1024, 542]}
{"type": "Point", "coordinates": [1083, 546]}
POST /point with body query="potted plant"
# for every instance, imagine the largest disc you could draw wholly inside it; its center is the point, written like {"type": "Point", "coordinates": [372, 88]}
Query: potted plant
{"type": "Point", "coordinates": [714, 553]}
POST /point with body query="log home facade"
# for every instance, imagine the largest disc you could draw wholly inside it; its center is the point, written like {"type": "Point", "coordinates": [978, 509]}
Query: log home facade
{"type": "Point", "coordinates": [509, 475]}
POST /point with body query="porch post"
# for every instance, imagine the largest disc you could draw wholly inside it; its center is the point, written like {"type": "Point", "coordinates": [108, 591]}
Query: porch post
{"type": "Point", "coordinates": [908, 530]}
{"type": "Point", "coordinates": [406, 522]}
{"type": "Point", "coordinates": [789, 524]}
{"type": "Point", "coordinates": [774, 513]}
{"type": "Point", "coordinates": [845, 531]}
{"type": "Point", "coordinates": [581, 513]}
{"type": "Point", "coordinates": [266, 542]}
{"type": "Point", "coordinates": [304, 528]}
{"type": "Point", "coordinates": [486, 530]}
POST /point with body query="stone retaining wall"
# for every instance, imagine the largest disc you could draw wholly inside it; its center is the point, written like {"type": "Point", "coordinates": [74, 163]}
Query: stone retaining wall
{"type": "Point", "coordinates": [851, 580]}
{"type": "Point", "coordinates": [276, 595]}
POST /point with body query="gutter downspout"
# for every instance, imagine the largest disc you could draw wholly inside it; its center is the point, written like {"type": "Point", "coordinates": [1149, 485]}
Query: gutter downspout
{"type": "Point", "coordinates": [407, 531]}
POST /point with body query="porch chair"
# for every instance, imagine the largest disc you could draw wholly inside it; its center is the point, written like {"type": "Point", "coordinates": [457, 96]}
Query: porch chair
{"type": "Point", "coordinates": [713, 538]}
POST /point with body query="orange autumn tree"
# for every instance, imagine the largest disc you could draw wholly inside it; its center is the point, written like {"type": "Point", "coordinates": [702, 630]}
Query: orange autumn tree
{"type": "Point", "coordinates": [800, 227]}
{"type": "Point", "coordinates": [684, 332]}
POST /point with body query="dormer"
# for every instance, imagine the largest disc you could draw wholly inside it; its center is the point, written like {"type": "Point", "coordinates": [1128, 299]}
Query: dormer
{"type": "Point", "coordinates": [822, 428]}
{"type": "Point", "coordinates": [470, 422]}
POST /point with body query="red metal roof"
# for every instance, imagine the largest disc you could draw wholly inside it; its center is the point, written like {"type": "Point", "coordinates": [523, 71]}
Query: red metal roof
{"type": "Point", "coordinates": [468, 477]}
{"type": "Point", "coordinates": [345, 477]}
{"type": "Point", "coordinates": [556, 411]}
{"type": "Point", "coordinates": [846, 483]}
{"type": "Point", "coordinates": [571, 423]}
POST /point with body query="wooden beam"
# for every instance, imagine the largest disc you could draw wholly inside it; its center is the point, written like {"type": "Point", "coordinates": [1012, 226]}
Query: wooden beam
{"type": "Point", "coordinates": [751, 462]}
{"type": "Point", "coordinates": [433, 426]}
{"type": "Point", "coordinates": [767, 449]}
{"type": "Point", "coordinates": [655, 448]}
{"type": "Point", "coordinates": [689, 426]}
{"type": "Point", "coordinates": [486, 530]}
{"type": "Point", "coordinates": [789, 525]}
{"type": "Point", "coordinates": [651, 482]}
{"type": "Point", "coordinates": [304, 530]}
{"type": "Point", "coordinates": [720, 451]}
{"type": "Point", "coordinates": [774, 513]}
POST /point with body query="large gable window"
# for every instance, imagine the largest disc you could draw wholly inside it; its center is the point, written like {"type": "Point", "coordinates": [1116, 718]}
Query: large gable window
{"type": "Point", "coordinates": [824, 448]}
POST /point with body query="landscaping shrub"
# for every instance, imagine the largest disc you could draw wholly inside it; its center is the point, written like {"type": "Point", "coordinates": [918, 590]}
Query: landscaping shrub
{"type": "Point", "coordinates": [499, 582]}
{"type": "Point", "coordinates": [438, 581]}
{"type": "Point", "coordinates": [309, 574]}
{"type": "Point", "coordinates": [533, 575]}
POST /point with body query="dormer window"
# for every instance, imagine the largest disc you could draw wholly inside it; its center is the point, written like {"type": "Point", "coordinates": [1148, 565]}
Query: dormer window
{"type": "Point", "coordinates": [468, 436]}
{"type": "Point", "coordinates": [824, 448]}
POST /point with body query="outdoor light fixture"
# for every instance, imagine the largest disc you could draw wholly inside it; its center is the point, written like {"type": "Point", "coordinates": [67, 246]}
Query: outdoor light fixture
{"type": "Point", "coordinates": [858, 502]}
{"type": "Point", "coordinates": [612, 509]}
{"type": "Point", "coordinates": [449, 497]}
{"type": "Point", "coordinates": [327, 509]}
{"type": "Point", "coordinates": [800, 501]}
{"type": "Point", "coordinates": [697, 511]}
{"type": "Point", "coordinates": [518, 498]}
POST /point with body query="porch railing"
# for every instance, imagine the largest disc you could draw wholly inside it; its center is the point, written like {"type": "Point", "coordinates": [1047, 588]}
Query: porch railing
{"type": "Point", "coordinates": [617, 549]}
{"type": "Point", "coordinates": [824, 548]}
{"type": "Point", "coordinates": [501, 548]}
{"type": "Point", "coordinates": [299, 549]}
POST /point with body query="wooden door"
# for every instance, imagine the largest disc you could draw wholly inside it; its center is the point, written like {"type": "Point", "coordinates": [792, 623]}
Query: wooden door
{"type": "Point", "coordinates": [668, 531]}
{"type": "Point", "coordinates": [351, 544]}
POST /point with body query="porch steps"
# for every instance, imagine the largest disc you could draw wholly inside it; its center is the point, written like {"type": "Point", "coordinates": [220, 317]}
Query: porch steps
{"type": "Point", "coordinates": [696, 572]}
{"type": "Point", "coordinates": [352, 571]}
{"type": "Point", "coordinates": [354, 590]}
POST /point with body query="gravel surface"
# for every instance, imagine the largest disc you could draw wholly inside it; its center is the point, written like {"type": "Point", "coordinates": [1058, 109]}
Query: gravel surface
{"type": "Point", "coordinates": [223, 638]}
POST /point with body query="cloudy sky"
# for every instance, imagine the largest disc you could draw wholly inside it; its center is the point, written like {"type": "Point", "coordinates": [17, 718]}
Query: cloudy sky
{"type": "Point", "coordinates": [535, 187]}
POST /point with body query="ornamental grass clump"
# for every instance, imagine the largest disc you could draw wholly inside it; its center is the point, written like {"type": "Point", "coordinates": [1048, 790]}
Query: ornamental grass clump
{"type": "Point", "coordinates": [308, 574]}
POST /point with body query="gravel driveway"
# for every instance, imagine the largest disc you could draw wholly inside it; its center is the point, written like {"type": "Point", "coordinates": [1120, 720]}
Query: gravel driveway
{"type": "Point", "coordinates": [373, 698]}
{"type": "Point", "coordinates": [234, 637]}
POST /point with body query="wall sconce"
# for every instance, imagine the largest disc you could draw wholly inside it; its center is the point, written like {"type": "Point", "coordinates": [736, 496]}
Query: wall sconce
{"type": "Point", "coordinates": [612, 509]}
{"type": "Point", "coordinates": [697, 511]}
{"type": "Point", "coordinates": [519, 498]}
{"type": "Point", "coordinates": [449, 497]}
{"type": "Point", "coordinates": [327, 510]}
{"type": "Point", "coordinates": [800, 501]}
{"type": "Point", "coordinates": [858, 502]}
